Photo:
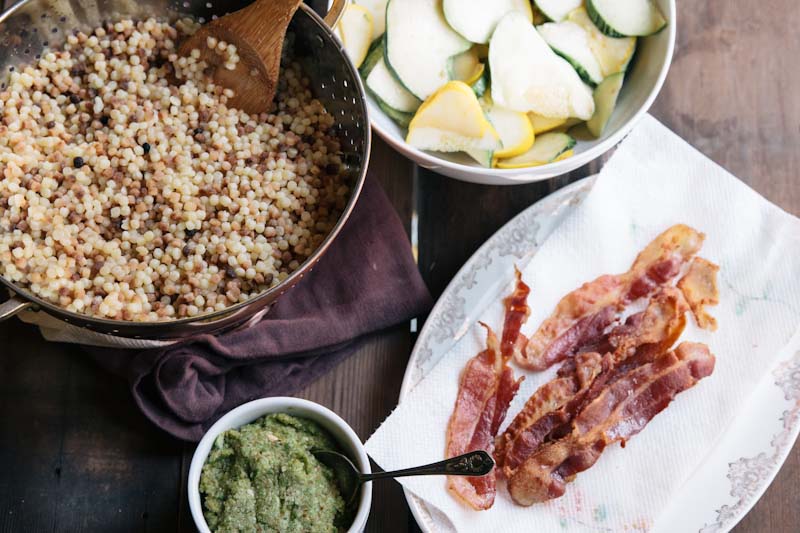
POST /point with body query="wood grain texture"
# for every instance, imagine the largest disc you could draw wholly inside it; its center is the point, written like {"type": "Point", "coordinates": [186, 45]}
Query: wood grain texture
{"type": "Point", "coordinates": [76, 455]}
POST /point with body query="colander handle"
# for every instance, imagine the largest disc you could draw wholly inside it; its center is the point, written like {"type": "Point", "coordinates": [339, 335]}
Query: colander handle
{"type": "Point", "coordinates": [12, 306]}
{"type": "Point", "coordinates": [335, 13]}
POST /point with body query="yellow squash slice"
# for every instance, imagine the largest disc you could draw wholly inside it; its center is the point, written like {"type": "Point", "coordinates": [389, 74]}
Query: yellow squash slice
{"type": "Point", "coordinates": [355, 29]}
{"type": "Point", "coordinates": [543, 124]}
{"type": "Point", "coordinates": [452, 120]}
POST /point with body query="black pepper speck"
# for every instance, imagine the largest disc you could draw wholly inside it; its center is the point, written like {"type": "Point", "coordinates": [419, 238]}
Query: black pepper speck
{"type": "Point", "coordinates": [78, 162]}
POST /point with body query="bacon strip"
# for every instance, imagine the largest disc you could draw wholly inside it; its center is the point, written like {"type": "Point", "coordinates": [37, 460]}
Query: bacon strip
{"type": "Point", "coordinates": [619, 412]}
{"type": "Point", "coordinates": [655, 266]}
{"type": "Point", "coordinates": [699, 286]}
{"type": "Point", "coordinates": [486, 389]}
{"type": "Point", "coordinates": [517, 312]}
{"type": "Point", "coordinates": [553, 406]}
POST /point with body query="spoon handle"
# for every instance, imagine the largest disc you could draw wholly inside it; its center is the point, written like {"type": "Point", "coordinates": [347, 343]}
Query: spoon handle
{"type": "Point", "coordinates": [477, 463]}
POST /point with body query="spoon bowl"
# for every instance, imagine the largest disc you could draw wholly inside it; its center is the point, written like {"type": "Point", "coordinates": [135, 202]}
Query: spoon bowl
{"type": "Point", "coordinates": [256, 34]}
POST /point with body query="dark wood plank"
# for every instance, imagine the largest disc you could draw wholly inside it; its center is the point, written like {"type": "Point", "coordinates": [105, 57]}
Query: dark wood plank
{"type": "Point", "coordinates": [75, 453]}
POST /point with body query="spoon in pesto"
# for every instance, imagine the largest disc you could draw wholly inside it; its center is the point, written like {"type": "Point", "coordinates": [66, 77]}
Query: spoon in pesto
{"type": "Point", "coordinates": [350, 479]}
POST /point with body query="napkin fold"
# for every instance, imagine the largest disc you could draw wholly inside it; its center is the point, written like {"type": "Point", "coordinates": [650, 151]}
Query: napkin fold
{"type": "Point", "coordinates": [653, 180]}
{"type": "Point", "coordinates": [367, 281]}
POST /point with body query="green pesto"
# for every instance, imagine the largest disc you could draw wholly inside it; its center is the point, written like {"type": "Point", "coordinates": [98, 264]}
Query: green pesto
{"type": "Point", "coordinates": [262, 477]}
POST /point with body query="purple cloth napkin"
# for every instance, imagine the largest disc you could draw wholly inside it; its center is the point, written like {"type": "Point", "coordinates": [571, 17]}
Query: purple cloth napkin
{"type": "Point", "coordinates": [367, 281]}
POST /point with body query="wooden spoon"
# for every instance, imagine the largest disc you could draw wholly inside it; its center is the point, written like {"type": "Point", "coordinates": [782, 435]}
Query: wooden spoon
{"type": "Point", "coordinates": [257, 31]}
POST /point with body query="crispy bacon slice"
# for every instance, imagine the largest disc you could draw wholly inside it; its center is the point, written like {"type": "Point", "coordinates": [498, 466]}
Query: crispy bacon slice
{"type": "Point", "coordinates": [620, 411]}
{"type": "Point", "coordinates": [655, 266]}
{"type": "Point", "coordinates": [544, 411]}
{"type": "Point", "coordinates": [551, 408]}
{"type": "Point", "coordinates": [517, 312]}
{"type": "Point", "coordinates": [486, 389]}
{"type": "Point", "coordinates": [699, 286]}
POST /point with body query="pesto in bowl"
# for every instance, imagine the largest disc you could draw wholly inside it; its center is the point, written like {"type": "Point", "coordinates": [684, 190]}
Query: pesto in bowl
{"type": "Point", "coordinates": [262, 477]}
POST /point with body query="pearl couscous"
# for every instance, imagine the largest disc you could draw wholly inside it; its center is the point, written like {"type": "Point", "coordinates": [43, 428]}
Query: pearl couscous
{"type": "Point", "coordinates": [131, 191]}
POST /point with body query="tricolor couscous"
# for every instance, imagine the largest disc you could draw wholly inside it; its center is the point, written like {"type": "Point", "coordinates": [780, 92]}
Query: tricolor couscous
{"type": "Point", "coordinates": [131, 191]}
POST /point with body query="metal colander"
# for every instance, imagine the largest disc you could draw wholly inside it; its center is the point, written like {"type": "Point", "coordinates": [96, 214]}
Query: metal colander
{"type": "Point", "coordinates": [31, 26]}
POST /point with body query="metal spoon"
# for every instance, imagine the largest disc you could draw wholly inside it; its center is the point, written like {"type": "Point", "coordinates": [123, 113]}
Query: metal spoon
{"type": "Point", "coordinates": [349, 478]}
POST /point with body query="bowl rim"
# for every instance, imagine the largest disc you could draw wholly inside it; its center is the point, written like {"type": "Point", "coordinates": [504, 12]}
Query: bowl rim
{"type": "Point", "coordinates": [433, 162]}
{"type": "Point", "coordinates": [252, 410]}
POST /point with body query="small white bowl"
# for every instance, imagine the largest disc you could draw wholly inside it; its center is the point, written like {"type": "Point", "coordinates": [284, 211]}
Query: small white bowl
{"type": "Point", "coordinates": [250, 411]}
{"type": "Point", "coordinates": [642, 83]}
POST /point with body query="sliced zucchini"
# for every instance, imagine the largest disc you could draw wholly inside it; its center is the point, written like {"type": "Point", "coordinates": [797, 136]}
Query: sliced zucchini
{"type": "Point", "coordinates": [537, 80]}
{"type": "Point", "coordinates": [452, 120]}
{"type": "Point", "coordinates": [547, 148]}
{"type": "Point", "coordinates": [400, 118]}
{"type": "Point", "coordinates": [483, 157]}
{"type": "Point", "coordinates": [476, 20]}
{"type": "Point", "coordinates": [383, 85]}
{"type": "Point", "coordinates": [626, 18]}
{"type": "Point", "coordinates": [605, 98]}
{"type": "Point", "coordinates": [466, 67]}
{"type": "Point", "coordinates": [355, 29]}
{"type": "Point", "coordinates": [542, 124]}
{"type": "Point", "coordinates": [612, 53]}
{"type": "Point", "coordinates": [571, 42]}
{"type": "Point", "coordinates": [374, 55]}
{"type": "Point", "coordinates": [419, 45]}
{"type": "Point", "coordinates": [376, 8]}
{"type": "Point", "coordinates": [557, 10]}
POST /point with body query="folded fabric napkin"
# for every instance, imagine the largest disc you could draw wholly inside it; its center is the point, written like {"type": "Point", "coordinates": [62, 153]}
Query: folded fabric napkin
{"type": "Point", "coordinates": [367, 281]}
{"type": "Point", "coordinates": [654, 180]}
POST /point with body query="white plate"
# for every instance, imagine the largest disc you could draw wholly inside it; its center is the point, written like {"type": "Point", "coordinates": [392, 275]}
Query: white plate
{"type": "Point", "coordinates": [746, 459]}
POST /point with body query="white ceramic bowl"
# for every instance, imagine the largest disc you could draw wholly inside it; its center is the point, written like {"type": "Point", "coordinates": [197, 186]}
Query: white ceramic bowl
{"type": "Point", "coordinates": [250, 411]}
{"type": "Point", "coordinates": [642, 83]}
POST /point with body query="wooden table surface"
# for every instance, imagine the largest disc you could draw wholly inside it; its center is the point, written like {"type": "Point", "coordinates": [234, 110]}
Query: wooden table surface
{"type": "Point", "coordinates": [76, 454]}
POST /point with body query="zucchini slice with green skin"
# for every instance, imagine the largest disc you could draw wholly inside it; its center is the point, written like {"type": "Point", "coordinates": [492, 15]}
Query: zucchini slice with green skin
{"type": "Point", "coordinates": [546, 149]}
{"type": "Point", "coordinates": [383, 85]}
{"type": "Point", "coordinates": [626, 18]}
{"type": "Point", "coordinates": [476, 20]}
{"type": "Point", "coordinates": [537, 80]}
{"type": "Point", "coordinates": [605, 98]}
{"type": "Point", "coordinates": [374, 54]}
{"type": "Point", "coordinates": [612, 53]}
{"type": "Point", "coordinates": [400, 118]}
{"type": "Point", "coordinates": [571, 41]}
{"type": "Point", "coordinates": [557, 10]}
{"type": "Point", "coordinates": [419, 44]}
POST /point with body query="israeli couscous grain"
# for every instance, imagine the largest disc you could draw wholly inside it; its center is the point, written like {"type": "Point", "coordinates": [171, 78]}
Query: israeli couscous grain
{"type": "Point", "coordinates": [128, 196]}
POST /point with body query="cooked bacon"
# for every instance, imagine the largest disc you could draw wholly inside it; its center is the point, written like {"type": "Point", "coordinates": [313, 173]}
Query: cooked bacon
{"type": "Point", "coordinates": [620, 411]}
{"type": "Point", "coordinates": [582, 333]}
{"type": "Point", "coordinates": [655, 266]}
{"type": "Point", "coordinates": [544, 411]}
{"type": "Point", "coordinates": [486, 389]}
{"type": "Point", "coordinates": [549, 411]}
{"type": "Point", "coordinates": [699, 286]}
{"type": "Point", "coordinates": [517, 312]}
